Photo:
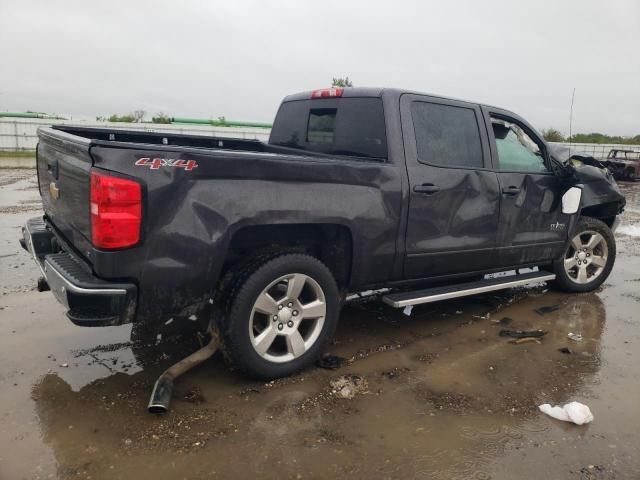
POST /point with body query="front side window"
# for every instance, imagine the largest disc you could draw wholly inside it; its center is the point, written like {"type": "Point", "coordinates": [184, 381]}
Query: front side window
{"type": "Point", "coordinates": [446, 135]}
{"type": "Point", "coordinates": [517, 151]}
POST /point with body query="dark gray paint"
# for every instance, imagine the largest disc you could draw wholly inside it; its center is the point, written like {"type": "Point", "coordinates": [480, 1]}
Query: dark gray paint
{"type": "Point", "coordinates": [397, 236]}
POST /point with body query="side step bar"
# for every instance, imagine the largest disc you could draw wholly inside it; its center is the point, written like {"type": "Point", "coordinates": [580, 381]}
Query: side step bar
{"type": "Point", "coordinates": [435, 294]}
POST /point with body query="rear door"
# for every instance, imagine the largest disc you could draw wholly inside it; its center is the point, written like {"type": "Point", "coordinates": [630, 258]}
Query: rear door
{"type": "Point", "coordinates": [454, 196]}
{"type": "Point", "coordinates": [532, 226]}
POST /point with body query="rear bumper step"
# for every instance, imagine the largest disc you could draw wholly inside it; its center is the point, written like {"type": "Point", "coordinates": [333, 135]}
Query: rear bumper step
{"type": "Point", "coordinates": [91, 301]}
{"type": "Point", "coordinates": [435, 294]}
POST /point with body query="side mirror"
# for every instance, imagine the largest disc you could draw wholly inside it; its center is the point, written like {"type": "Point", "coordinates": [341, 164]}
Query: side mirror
{"type": "Point", "coordinates": [571, 200]}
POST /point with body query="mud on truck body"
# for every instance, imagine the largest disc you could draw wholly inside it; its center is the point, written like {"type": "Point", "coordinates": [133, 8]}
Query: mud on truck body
{"type": "Point", "coordinates": [357, 188]}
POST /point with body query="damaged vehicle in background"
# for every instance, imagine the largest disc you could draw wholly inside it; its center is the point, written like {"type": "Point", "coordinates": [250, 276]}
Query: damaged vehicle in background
{"type": "Point", "coordinates": [623, 164]}
{"type": "Point", "coordinates": [357, 188]}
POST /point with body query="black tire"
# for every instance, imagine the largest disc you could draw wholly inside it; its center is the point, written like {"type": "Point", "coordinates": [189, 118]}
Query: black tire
{"type": "Point", "coordinates": [568, 282]}
{"type": "Point", "coordinates": [237, 314]}
{"type": "Point", "coordinates": [629, 174]}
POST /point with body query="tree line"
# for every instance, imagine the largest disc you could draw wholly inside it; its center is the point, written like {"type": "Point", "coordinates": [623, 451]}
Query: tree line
{"type": "Point", "coordinates": [553, 135]}
{"type": "Point", "coordinates": [137, 116]}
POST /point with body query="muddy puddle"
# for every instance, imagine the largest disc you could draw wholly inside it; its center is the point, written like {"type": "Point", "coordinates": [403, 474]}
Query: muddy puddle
{"type": "Point", "coordinates": [438, 394]}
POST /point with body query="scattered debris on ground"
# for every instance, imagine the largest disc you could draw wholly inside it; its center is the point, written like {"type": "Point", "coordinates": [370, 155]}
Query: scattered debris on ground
{"type": "Point", "coordinates": [394, 372]}
{"type": "Point", "coordinates": [566, 350]}
{"type": "Point", "coordinates": [519, 341]}
{"type": "Point", "coordinates": [348, 386]}
{"type": "Point", "coordinates": [575, 412]}
{"type": "Point", "coordinates": [194, 395]}
{"type": "Point", "coordinates": [502, 321]}
{"type": "Point", "coordinates": [426, 357]}
{"type": "Point", "coordinates": [522, 333]}
{"type": "Point", "coordinates": [366, 352]}
{"type": "Point", "coordinates": [330, 362]}
{"type": "Point", "coordinates": [576, 337]}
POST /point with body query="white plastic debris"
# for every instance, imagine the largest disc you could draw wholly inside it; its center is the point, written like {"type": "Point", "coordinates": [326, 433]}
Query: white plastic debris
{"type": "Point", "coordinates": [575, 412]}
{"type": "Point", "coordinates": [576, 337]}
{"type": "Point", "coordinates": [407, 310]}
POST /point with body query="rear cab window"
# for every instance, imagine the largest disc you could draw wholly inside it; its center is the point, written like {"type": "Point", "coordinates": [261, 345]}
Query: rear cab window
{"type": "Point", "coordinates": [347, 126]}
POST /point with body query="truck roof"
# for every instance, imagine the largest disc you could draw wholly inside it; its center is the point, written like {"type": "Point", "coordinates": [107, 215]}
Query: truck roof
{"type": "Point", "coordinates": [380, 91]}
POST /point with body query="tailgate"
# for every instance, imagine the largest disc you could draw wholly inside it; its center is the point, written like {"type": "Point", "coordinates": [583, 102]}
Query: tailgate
{"type": "Point", "coordinates": [64, 164]}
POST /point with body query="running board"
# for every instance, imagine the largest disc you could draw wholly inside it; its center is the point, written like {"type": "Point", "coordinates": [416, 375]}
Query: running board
{"type": "Point", "coordinates": [435, 294]}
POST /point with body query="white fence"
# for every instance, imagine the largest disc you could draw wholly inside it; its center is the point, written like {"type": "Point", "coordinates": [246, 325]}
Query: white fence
{"type": "Point", "coordinates": [597, 150]}
{"type": "Point", "coordinates": [21, 134]}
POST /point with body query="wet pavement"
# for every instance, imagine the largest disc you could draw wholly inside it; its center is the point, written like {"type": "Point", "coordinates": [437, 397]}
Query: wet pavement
{"type": "Point", "coordinates": [440, 394]}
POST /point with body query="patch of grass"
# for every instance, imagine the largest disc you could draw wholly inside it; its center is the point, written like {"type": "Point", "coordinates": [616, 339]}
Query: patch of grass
{"type": "Point", "coordinates": [18, 153]}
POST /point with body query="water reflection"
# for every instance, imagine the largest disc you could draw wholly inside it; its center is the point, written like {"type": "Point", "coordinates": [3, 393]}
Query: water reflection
{"type": "Point", "coordinates": [445, 417]}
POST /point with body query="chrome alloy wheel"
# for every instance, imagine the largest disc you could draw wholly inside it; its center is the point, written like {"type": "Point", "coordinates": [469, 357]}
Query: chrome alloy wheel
{"type": "Point", "coordinates": [586, 257]}
{"type": "Point", "coordinates": [287, 318]}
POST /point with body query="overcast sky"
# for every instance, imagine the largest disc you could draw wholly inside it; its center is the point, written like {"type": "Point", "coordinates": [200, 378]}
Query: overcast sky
{"type": "Point", "coordinates": [239, 58]}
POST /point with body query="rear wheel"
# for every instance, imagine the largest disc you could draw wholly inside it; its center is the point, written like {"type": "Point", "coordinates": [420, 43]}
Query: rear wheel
{"type": "Point", "coordinates": [281, 315]}
{"type": "Point", "coordinates": [588, 259]}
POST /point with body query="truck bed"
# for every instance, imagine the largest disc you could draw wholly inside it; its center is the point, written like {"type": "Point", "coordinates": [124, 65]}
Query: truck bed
{"type": "Point", "coordinates": [111, 135]}
{"type": "Point", "coordinates": [193, 219]}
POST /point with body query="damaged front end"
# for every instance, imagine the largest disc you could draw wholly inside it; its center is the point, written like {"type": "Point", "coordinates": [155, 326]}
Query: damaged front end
{"type": "Point", "coordinates": [601, 198]}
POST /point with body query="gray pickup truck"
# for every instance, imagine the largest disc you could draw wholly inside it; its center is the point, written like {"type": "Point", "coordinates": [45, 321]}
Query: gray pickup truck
{"type": "Point", "coordinates": [357, 188]}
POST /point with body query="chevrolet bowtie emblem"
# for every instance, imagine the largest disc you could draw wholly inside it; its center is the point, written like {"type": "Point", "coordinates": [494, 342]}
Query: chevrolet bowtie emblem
{"type": "Point", "coordinates": [54, 190]}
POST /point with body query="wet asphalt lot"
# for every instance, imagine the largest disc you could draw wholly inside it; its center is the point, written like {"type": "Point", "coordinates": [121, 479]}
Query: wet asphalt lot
{"type": "Point", "coordinates": [442, 395]}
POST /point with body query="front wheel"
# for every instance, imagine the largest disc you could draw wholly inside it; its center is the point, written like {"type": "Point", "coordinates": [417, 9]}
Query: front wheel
{"type": "Point", "coordinates": [588, 259]}
{"type": "Point", "coordinates": [281, 315]}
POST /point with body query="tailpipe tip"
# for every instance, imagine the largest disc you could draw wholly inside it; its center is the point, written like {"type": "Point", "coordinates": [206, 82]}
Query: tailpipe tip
{"type": "Point", "coordinates": [161, 395]}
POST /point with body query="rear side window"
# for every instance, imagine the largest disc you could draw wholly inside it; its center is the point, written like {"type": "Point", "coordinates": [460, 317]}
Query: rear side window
{"type": "Point", "coordinates": [447, 135]}
{"type": "Point", "coordinates": [342, 126]}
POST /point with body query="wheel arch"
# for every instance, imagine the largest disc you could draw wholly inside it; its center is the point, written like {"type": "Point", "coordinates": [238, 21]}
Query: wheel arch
{"type": "Point", "coordinates": [330, 243]}
{"type": "Point", "coordinates": [605, 212]}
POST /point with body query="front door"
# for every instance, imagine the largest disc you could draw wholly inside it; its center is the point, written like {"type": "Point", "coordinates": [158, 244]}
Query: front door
{"type": "Point", "coordinates": [454, 196]}
{"type": "Point", "coordinates": [532, 226]}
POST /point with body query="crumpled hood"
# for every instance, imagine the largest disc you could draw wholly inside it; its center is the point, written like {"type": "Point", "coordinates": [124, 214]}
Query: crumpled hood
{"type": "Point", "coordinates": [564, 154]}
{"type": "Point", "coordinates": [599, 187]}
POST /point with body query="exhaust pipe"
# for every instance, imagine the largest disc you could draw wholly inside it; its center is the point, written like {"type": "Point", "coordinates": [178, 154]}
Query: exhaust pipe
{"type": "Point", "coordinates": [163, 389]}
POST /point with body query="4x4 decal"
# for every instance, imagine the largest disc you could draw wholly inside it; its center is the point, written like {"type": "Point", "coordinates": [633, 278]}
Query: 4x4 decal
{"type": "Point", "coordinates": [156, 163]}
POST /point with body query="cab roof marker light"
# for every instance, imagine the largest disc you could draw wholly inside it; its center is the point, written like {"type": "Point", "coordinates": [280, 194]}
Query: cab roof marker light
{"type": "Point", "coordinates": [327, 92]}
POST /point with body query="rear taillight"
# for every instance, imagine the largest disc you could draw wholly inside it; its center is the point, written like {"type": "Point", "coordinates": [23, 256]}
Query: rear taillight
{"type": "Point", "coordinates": [116, 211]}
{"type": "Point", "coordinates": [327, 92]}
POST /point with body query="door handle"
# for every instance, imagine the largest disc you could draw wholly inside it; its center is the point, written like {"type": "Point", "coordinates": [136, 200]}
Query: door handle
{"type": "Point", "coordinates": [511, 190]}
{"type": "Point", "coordinates": [426, 188]}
